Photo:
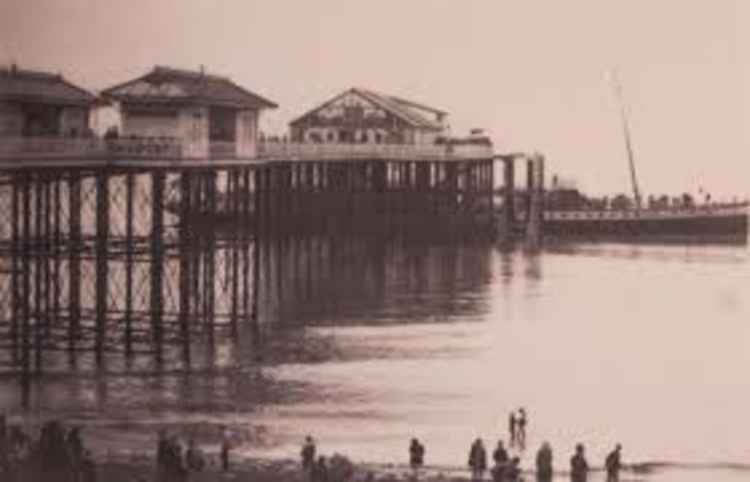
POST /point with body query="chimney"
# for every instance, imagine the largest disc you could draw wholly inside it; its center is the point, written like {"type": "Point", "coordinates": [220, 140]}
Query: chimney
{"type": "Point", "coordinates": [13, 68]}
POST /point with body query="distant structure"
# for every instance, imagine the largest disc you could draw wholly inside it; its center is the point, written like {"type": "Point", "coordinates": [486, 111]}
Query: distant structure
{"type": "Point", "coordinates": [41, 104]}
{"type": "Point", "coordinates": [361, 116]}
{"type": "Point", "coordinates": [210, 116]}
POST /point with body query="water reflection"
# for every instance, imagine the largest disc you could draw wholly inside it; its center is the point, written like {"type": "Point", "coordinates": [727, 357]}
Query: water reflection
{"type": "Point", "coordinates": [367, 343]}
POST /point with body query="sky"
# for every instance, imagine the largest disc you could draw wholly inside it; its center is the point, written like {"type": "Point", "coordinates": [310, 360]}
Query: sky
{"type": "Point", "coordinates": [533, 74]}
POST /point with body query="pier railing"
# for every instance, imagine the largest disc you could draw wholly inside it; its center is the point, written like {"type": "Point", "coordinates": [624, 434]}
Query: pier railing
{"type": "Point", "coordinates": [312, 151]}
{"type": "Point", "coordinates": [173, 148]}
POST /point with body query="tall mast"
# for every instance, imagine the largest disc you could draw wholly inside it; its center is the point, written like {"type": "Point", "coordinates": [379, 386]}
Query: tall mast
{"type": "Point", "coordinates": [628, 145]}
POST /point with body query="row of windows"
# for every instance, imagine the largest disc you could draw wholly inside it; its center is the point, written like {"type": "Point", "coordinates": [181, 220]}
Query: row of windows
{"type": "Point", "coordinates": [345, 136]}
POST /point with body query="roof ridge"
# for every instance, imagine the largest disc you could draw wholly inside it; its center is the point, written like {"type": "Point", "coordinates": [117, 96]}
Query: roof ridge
{"type": "Point", "coordinates": [164, 69]}
{"type": "Point", "coordinates": [29, 74]}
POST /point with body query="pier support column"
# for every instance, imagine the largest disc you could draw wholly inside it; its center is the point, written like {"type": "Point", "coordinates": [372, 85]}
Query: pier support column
{"type": "Point", "coordinates": [157, 258]}
{"type": "Point", "coordinates": [74, 261]}
{"type": "Point", "coordinates": [185, 263]}
{"type": "Point", "coordinates": [102, 240]}
{"type": "Point", "coordinates": [129, 249]}
{"type": "Point", "coordinates": [509, 201]}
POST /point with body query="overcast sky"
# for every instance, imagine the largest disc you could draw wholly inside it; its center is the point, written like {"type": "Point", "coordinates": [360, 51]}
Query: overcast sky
{"type": "Point", "coordinates": [532, 73]}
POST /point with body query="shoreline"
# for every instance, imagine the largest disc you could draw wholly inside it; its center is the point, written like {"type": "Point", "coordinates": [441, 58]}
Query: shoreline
{"type": "Point", "coordinates": [141, 467]}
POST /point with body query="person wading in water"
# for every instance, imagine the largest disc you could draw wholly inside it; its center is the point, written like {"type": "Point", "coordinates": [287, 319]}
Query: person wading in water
{"type": "Point", "coordinates": [512, 428]}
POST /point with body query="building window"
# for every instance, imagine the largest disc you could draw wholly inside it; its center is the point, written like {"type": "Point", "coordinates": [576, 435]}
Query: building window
{"type": "Point", "coordinates": [364, 138]}
{"type": "Point", "coordinates": [330, 136]}
{"type": "Point", "coordinates": [378, 138]}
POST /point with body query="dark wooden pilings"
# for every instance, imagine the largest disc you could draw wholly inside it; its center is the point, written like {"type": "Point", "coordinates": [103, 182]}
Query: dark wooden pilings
{"type": "Point", "coordinates": [129, 261]}
{"type": "Point", "coordinates": [157, 266]}
{"type": "Point", "coordinates": [102, 262]}
{"type": "Point", "coordinates": [186, 260]}
{"type": "Point", "coordinates": [74, 260]}
{"type": "Point", "coordinates": [133, 260]}
{"type": "Point", "coordinates": [509, 204]}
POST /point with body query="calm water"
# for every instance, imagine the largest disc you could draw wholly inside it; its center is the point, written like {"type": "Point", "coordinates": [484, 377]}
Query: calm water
{"type": "Point", "coordinates": [644, 345]}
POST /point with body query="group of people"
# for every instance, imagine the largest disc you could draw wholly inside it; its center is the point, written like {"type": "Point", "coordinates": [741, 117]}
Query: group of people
{"type": "Point", "coordinates": [507, 469]}
{"type": "Point", "coordinates": [56, 455]}
{"type": "Point", "coordinates": [174, 463]}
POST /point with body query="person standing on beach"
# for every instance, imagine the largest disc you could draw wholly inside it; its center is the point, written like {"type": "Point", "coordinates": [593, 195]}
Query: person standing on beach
{"type": "Point", "coordinates": [579, 468]}
{"type": "Point", "coordinates": [512, 428]}
{"type": "Point", "coordinates": [416, 454]}
{"type": "Point", "coordinates": [308, 454]}
{"type": "Point", "coordinates": [320, 471]}
{"type": "Point", "coordinates": [477, 460]}
{"type": "Point", "coordinates": [500, 455]}
{"type": "Point", "coordinates": [613, 464]}
{"type": "Point", "coordinates": [521, 435]}
{"type": "Point", "coordinates": [544, 463]}
{"type": "Point", "coordinates": [513, 472]}
{"type": "Point", "coordinates": [225, 446]}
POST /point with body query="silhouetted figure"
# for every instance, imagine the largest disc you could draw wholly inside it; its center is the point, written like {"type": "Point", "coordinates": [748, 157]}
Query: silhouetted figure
{"type": "Point", "coordinates": [513, 472]}
{"type": "Point", "coordinates": [225, 451]}
{"type": "Point", "coordinates": [613, 464]}
{"type": "Point", "coordinates": [512, 428]}
{"type": "Point", "coordinates": [500, 455]}
{"type": "Point", "coordinates": [194, 457]}
{"type": "Point", "coordinates": [579, 468]}
{"type": "Point", "coordinates": [162, 455]}
{"type": "Point", "coordinates": [75, 445]}
{"type": "Point", "coordinates": [320, 471]}
{"type": "Point", "coordinates": [88, 468]}
{"type": "Point", "coordinates": [521, 431]}
{"type": "Point", "coordinates": [544, 463]}
{"type": "Point", "coordinates": [308, 454]}
{"type": "Point", "coordinates": [477, 459]}
{"type": "Point", "coordinates": [176, 469]}
{"type": "Point", "coordinates": [4, 447]}
{"type": "Point", "coordinates": [416, 454]}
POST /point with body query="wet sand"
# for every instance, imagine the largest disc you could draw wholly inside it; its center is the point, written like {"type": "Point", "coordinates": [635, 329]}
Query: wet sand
{"type": "Point", "coordinates": [140, 468]}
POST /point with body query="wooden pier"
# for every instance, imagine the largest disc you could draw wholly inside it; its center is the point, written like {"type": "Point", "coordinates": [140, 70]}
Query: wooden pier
{"type": "Point", "coordinates": [135, 255]}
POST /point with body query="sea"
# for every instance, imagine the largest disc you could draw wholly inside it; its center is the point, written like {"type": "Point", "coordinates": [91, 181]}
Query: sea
{"type": "Point", "coordinates": [645, 345]}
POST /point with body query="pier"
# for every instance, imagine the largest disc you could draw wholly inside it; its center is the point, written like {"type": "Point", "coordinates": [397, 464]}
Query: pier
{"type": "Point", "coordinates": [135, 255]}
{"type": "Point", "coordinates": [143, 243]}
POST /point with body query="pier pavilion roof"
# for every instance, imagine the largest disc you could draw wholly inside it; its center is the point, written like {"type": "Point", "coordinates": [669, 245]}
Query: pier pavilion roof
{"type": "Point", "coordinates": [41, 87]}
{"type": "Point", "coordinates": [413, 113]}
{"type": "Point", "coordinates": [176, 86]}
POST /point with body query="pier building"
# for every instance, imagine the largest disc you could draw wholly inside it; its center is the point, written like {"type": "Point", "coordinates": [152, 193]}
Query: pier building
{"type": "Point", "coordinates": [362, 116]}
{"type": "Point", "coordinates": [193, 114]}
{"type": "Point", "coordinates": [40, 111]}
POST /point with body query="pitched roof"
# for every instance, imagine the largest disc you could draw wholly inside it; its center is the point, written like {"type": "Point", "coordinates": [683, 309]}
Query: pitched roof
{"type": "Point", "coordinates": [33, 86]}
{"type": "Point", "coordinates": [168, 85]}
{"type": "Point", "coordinates": [401, 108]}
